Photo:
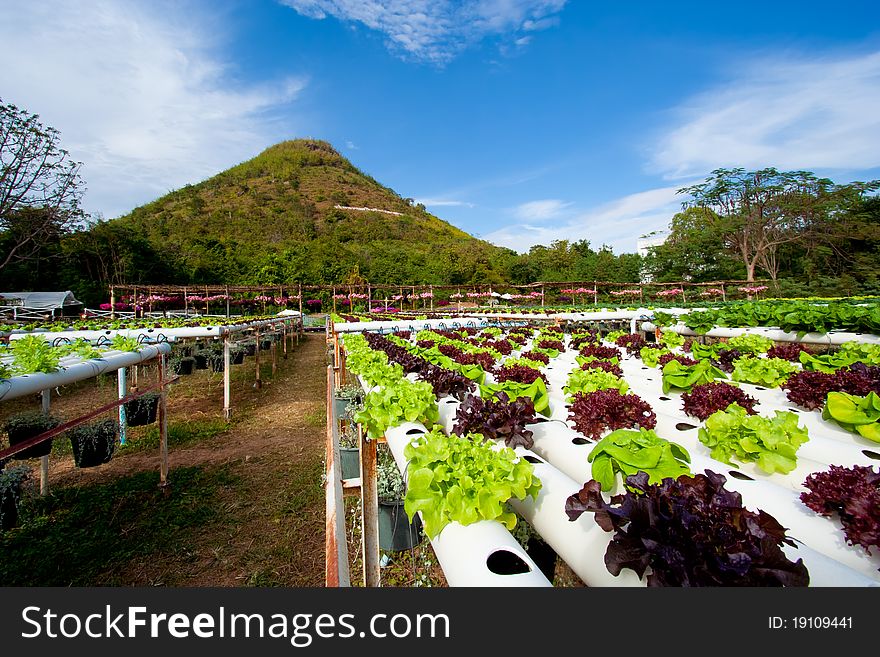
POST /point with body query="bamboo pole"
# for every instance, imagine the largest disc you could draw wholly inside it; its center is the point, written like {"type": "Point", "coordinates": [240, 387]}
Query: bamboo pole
{"type": "Point", "coordinates": [257, 383]}
{"type": "Point", "coordinates": [163, 426]}
{"type": "Point", "coordinates": [370, 510]}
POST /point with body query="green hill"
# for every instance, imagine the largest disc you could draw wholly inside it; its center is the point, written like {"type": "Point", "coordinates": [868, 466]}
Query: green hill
{"type": "Point", "coordinates": [273, 219]}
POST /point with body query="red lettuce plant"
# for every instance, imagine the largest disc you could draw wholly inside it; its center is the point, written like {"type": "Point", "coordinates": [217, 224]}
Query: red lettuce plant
{"type": "Point", "coordinates": [632, 342]}
{"type": "Point", "coordinates": [536, 356]}
{"type": "Point", "coordinates": [706, 398]}
{"type": "Point", "coordinates": [518, 373]}
{"type": "Point", "coordinates": [809, 389]}
{"type": "Point", "coordinates": [446, 382]}
{"type": "Point", "coordinates": [787, 351]}
{"type": "Point", "coordinates": [689, 531]}
{"type": "Point", "coordinates": [607, 365]}
{"type": "Point", "coordinates": [501, 346]}
{"type": "Point", "coordinates": [425, 344]}
{"type": "Point", "coordinates": [595, 412]}
{"type": "Point", "coordinates": [551, 344]}
{"type": "Point", "coordinates": [497, 419]}
{"type": "Point", "coordinates": [583, 340]}
{"type": "Point", "coordinates": [725, 358]}
{"type": "Point", "coordinates": [600, 351]}
{"type": "Point", "coordinates": [854, 494]}
{"type": "Point", "coordinates": [684, 360]}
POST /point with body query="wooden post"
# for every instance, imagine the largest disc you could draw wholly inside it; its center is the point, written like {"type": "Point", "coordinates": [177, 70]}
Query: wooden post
{"type": "Point", "coordinates": [46, 399]}
{"type": "Point", "coordinates": [185, 303]}
{"type": "Point", "coordinates": [227, 302]}
{"type": "Point", "coordinates": [273, 351]}
{"type": "Point", "coordinates": [542, 296]}
{"type": "Point", "coordinates": [207, 306]}
{"type": "Point", "coordinates": [370, 509]}
{"type": "Point", "coordinates": [284, 339]}
{"type": "Point", "coordinates": [369, 297]}
{"type": "Point", "coordinates": [432, 297]}
{"type": "Point", "coordinates": [122, 390]}
{"type": "Point", "coordinates": [112, 302]}
{"type": "Point", "coordinates": [227, 396]}
{"type": "Point", "coordinates": [150, 299]}
{"type": "Point", "coordinates": [336, 571]}
{"type": "Point", "coordinates": [300, 301]}
{"type": "Point", "coordinates": [723, 293]}
{"type": "Point", "coordinates": [334, 299]}
{"type": "Point", "coordinates": [163, 426]}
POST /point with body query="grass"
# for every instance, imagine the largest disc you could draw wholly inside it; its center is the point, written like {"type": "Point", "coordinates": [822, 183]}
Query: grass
{"type": "Point", "coordinates": [180, 434]}
{"type": "Point", "coordinates": [86, 535]}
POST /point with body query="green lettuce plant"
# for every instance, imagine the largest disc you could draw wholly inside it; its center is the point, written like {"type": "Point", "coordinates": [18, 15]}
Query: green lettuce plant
{"type": "Point", "coordinates": [464, 480]}
{"type": "Point", "coordinates": [650, 356]}
{"type": "Point", "coordinates": [629, 451]}
{"type": "Point", "coordinates": [770, 442]}
{"type": "Point", "coordinates": [671, 339]}
{"type": "Point", "coordinates": [749, 343]}
{"type": "Point", "coordinates": [124, 343]}
{"type": "Point", "coordinates": [684, 377]}
{"type": "Point", "coordinates": [860, 415]}
{"type": "Point", "coordinates": [401, 401]}
{"type": "Point", "coordinates": [591, 380]}
{"type": "Point", "coordinates": [769, 372]}
{"type": "Point", "coordinates": [536, 391]}
{"type": "Point", "coordinates": [34, 354]}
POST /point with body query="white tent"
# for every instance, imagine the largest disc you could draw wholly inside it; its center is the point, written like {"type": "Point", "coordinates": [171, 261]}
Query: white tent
{"type": "Point", "coordinates": [33, 305]}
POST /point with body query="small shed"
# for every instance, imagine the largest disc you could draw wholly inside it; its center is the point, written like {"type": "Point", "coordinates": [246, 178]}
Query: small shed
{"type": "Point", "coordinates": [39, 305]}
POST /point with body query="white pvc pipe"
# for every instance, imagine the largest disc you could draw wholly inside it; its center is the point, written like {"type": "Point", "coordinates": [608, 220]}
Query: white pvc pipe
{"type": "Point", "coordinates": [463, 551]}
{"type": "Point", "coordinates": [830, 338]}
{"type": "Point", "coordinates": [27, 384]}
{"type": "Point", "coordinates": [122, 390]}
{"type": "Point", "coordinates": [149, 334]}
{"type": "Point", "coordinates": [408, 325]}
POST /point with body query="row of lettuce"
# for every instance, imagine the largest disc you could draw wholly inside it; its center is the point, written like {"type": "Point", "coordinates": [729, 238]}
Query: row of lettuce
{"type": "Point", "coordinates": [459, 477]}
{"type": "Point", "coordinates": [32, 354]}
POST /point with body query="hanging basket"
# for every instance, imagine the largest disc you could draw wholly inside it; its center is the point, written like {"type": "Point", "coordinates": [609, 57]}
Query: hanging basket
{"type": "Point", "coordinates": [351, 462]}
{"type": "Point", "coordinates": [93, 444]}
{"type": "Point", "coordinates": [183, 366]}
{"type": "Point", "coordinates": [236, 357]}
{"type": "Point", "coordinates": [142, 411]}
{"type": "Point", "coordinates": [201, 359]}
{"type": "Point", "coordinates": [396, 532]}
{"type": "Point", "coordinates": [249, 347]}
{"type": "Point", "coordinates": [25, 426]}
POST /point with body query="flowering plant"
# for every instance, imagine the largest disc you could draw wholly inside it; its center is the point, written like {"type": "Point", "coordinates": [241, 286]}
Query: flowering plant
{"type": "Point", "coordinates": [672, 292]}
{"type": "Point", "coordinates": [752, 289]}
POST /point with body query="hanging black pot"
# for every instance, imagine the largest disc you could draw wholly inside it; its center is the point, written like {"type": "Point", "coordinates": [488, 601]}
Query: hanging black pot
{"type": "Point", "coordinates": [94, 444]}
{"type": "Point", "coordinates": [25, 426]}
{"type": "Point", "coordinates": [142, 411]}
{"type": "Point", "coordinates": [236, 357]}
{"type": "Point", "coordinates": [351, 462]}
{"type": "Point", "coordinates": [250, 348]}
{"type": "Point", "coordinates": [184, 366]}
{"type": "Point", "coordinates": [396, 532]}
{"type": "Point", "coordinates": [201, 359]}
{"type": "Point", "coordinates": [266, 344]}
{"type": "Point", "coordinates": [216, 363]}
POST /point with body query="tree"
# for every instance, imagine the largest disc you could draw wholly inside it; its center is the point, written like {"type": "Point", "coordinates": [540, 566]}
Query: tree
{"type": "Point", "coordinates": [693, 251]}
{"type": "Point", "coordinates": [761, 211]}
{"type": "Point", "coordinates": [40, 186]}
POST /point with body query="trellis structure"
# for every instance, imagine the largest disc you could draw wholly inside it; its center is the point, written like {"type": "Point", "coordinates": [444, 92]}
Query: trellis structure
{"type": "Point", "coordinates": [195, 295]}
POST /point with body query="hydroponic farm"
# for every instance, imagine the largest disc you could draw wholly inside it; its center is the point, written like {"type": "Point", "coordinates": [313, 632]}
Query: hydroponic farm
{"type": "Point", "coordinates": [729, 445]}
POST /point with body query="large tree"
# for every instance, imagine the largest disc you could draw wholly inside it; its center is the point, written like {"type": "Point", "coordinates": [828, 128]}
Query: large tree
{"type": "Point", "coordinates": [759, 212]}
{"type": "Point", "coordinates": [40, 185]}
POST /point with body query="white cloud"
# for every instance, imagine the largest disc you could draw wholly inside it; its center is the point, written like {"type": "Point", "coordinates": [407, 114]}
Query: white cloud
{"type": "Point", "coordinates": [350, 145]}
{"type": "Point", "coordinates": [439, 202]}
{"type": "Point", "coordinates": [618, 223]}
{"type": "Point", "coordinates": [138, 95]}
{"type": "Point", "coordinates": [437, 30]}
{"type": "Point", "coordinates": [541, 210]}
{"type": "Point", "coordinates": [808, 114]}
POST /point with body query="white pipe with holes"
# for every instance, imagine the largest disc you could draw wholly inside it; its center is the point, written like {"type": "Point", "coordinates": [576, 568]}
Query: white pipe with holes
{"type": "Point", "coordinates": [467, 553]}
{"type": "Point", "coordinates": [27, 384]}
{"type": "Point", "coordinates": [832, 338]}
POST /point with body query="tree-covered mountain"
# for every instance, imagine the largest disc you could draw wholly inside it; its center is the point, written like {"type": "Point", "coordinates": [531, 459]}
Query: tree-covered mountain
{"type": "Point", "coordinates": [274, 219]}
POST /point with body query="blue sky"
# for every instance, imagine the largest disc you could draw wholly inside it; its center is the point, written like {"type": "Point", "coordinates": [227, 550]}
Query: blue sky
{"type": "Point", "coordinates": [520, 121]}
